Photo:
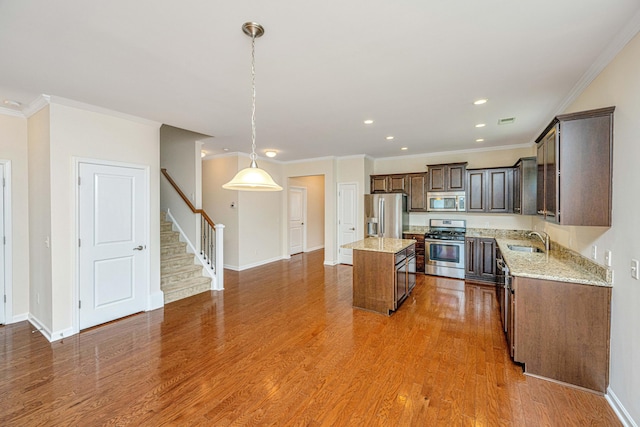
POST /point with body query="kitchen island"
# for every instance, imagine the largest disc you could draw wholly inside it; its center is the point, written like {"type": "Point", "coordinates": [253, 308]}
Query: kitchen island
{"type": "Point", "coordinates": [384, 272]}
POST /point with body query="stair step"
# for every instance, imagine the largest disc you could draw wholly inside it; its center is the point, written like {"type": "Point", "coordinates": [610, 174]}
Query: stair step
{"type": "Point", "coordinates": [177, 261]}
{"type": "Point", "coordinates": [166, 226]}
{"type": "Point", "coordinates": [169, 237]}
{"type": "Point", "coordinates": [186, 289]}
{"type": "Point", "coordinates": [178, 274]}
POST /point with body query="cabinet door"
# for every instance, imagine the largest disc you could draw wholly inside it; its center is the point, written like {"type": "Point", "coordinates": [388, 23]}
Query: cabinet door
{"type": "Point", "coordinates": [517, 194]}
{"type": "Point", "coordinates": [471, 257]}
{"type": "Point", "coordinates": [397, 183]}
{"type": "Point", "coordinates": [476, 191]}
{"type": "Point", "coordinates": [417, 192]}
{"type": "Point", "coordinates": [437, 177]}
{"type": "Point", "coordinates": [379, 184]}
{"type": "Point", "coordinates": [551, 174]}
{"type": "Point", "coordinates": [540, 178]}
{"type": "Point", "coordinates": [456, 177]}
{"type": "Point", "coordinates": [487, 259]}
{"type": "Point", "coordinates": [498, 190]}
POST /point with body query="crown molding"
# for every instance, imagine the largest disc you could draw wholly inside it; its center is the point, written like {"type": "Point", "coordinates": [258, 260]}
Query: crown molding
{"type": "Point", "coordinates": [11, 112]}
{"type": "Point", "coordinates": [618, 43]}
{"type": "Point", "coordinates": [471, 150]}
{"type": "Point", "coordinates": [36, 105]}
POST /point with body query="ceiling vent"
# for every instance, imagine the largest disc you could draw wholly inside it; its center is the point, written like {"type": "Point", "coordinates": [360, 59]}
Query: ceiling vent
{"type": "Point", "coordinates": [507, 121]}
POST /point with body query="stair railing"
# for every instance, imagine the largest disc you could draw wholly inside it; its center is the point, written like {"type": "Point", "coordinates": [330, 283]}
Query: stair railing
{"type": "Point", "coordinates": [210, 241]}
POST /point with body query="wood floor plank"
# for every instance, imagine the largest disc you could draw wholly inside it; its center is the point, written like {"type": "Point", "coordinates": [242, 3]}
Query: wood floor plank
{"type": "Point", "coordinates": [282, 346]}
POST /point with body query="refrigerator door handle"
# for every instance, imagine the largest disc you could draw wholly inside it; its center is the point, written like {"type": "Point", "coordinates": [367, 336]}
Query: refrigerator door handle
{"type": "Point", "coordinates": [382, 218]}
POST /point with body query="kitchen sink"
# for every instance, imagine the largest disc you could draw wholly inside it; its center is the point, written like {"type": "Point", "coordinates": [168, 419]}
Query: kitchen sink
{"type": "Point", "coordinates": [522, 248]}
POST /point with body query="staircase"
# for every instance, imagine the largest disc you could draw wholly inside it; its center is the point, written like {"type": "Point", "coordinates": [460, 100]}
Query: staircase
{"type": "Point", "coordinates": [180, 276]}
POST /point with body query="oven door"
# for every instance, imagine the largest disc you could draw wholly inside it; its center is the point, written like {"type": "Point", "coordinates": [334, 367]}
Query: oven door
{"type": "Point", "coordinates": [444, 258]}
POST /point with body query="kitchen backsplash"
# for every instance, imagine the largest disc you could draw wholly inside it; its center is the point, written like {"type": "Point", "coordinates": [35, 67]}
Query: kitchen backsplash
{"type": "Point", "coordinates": [495, 221]}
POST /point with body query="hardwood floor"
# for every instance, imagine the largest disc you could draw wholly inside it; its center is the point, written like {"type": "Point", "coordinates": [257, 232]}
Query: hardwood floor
{"type": "Point", "coordinates": [281, 345]}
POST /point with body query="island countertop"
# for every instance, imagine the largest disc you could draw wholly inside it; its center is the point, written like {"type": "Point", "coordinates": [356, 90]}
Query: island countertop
{"type": "Point", "coordinates": [380, 244]}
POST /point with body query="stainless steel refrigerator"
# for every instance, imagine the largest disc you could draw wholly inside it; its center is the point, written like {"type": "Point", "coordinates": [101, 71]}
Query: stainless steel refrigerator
{"type": "Point", "coordinates": [385, 215]}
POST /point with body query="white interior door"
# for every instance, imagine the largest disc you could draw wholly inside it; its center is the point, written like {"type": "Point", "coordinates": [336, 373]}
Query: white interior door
{"type": "Point", "coordinates": [112, 258]}
{"type": "Point", "coordinates": [297, 214]}
{"type": "Point", "coordinates": [3, 242]}
{"type": "Point", "coordinates": [347, 220]}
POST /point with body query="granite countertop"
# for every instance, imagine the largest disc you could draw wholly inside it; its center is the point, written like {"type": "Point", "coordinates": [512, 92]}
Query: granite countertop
{"type": "Point", "coordinates": [559, 264]}
{"type": "Point", "coordinates": [380, 244]}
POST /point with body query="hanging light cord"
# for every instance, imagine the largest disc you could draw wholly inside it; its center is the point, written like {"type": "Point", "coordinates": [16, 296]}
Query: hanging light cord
{"type": "Point", "coordinates": [253, 155]}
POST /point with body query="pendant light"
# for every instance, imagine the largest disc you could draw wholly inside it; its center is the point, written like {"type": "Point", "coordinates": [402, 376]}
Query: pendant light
{"type": "Point", "coordinates": [253, 178]}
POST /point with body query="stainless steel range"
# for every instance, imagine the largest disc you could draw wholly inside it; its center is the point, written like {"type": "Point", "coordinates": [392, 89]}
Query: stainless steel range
{"type": "Point", "coordinates": [444, 248]}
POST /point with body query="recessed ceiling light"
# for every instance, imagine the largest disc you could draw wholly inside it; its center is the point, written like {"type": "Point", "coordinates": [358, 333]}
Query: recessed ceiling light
{"type": "Point", "coordinates": [480, 125]}
{"type": "Point", "coordinates": [480, 102]}
{"type": "Point", "coordinates": [480, 140]}
{"type": "Point", "coordinates": [270, 153]}
{"type": "Point", "coordinates": [404, 148]}
{"type": "Point", "coordinates": [389, 138]}
{"type": "Point", "coordinates": [203, 154]}
{"type": "Point", "coordinates": [12, 103]}
{"type": "Point", "coordinates": [368, 122]}
{"type": "Point", "coordinates": [225, 149]}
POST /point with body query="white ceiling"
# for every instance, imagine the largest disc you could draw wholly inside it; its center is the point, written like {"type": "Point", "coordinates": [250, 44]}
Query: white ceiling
{"type": "Point", "coordinates": [414, 67]}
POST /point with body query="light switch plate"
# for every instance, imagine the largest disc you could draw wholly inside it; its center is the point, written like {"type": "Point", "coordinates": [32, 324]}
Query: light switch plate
{"type": "Point", "coordinates": [594, 252]}
{"type": "Point", "coordinates": [634, 269]}
{"type": "Point", "coordinates": [607, 258]}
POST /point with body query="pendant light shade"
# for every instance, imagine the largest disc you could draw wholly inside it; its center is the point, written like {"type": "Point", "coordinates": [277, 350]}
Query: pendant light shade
{"type": "Point", "coordinates": [253, 178]}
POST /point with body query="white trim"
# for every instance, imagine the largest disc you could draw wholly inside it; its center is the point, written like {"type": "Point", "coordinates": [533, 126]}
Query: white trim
{"type": "Point", "coordinates": [75, 293]}
{"type": "Point", "coordinates": [10, 112]}
{"type": "Point", "coordinates": [155, 300]}
{"type": "Point", "coordinates": [8, 247]}
{"type": "Point", "coordinates": [190, 248]}
{"type": "Point", "coordinates": [619, 409]}
{"type": "Point", "coordinates": [20, 317]}
{"type": "Point", "coordinates": [36, 105]}
{"type": "Point", "coordinates": [255, 264]}
{"type": "Point", "coordinates": [314, 249]}
{"type": "Point", "coordinates": [331, 263]}
{"type": "Point", "coordinates": [50, 336]}
{"type": "Point", "coordinates": [625, 35]}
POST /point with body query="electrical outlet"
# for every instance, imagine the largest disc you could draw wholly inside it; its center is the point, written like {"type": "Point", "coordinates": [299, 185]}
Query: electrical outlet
{"type": "Point", "coordinates": [607, 258]}
{"type": "Point", "coordinates": [594, 252]}
{"type": "Point", "coordinates": [634, 269]}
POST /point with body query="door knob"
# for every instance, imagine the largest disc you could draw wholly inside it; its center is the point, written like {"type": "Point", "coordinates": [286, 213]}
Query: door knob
{"type": "Point", "coordinates": [139, 248]}
{"type": "Point", "coordinates": [352, 228]}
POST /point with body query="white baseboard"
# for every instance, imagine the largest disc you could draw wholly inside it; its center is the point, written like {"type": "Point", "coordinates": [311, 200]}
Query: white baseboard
{"type": "Point", "coordinates": [619, 409]}
{"type": "Point", "coordinates": [50, 336]}
{"type": "Point", "coordinates": [314, 249]}
{"type": "Point", "coordinates": [331, 263]}
{"type": "Point", "coordinates": [155, 300]}
{"type": "Point", "coordinates": [20, 318]}
{"type": "Point", "coordinates": [255, 264]}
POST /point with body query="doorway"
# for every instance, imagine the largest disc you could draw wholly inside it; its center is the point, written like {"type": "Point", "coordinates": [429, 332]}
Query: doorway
{"type": "Point", "coordinates": [297, 217]}
{"type": "Point", "coordinates": [305, 203]}
{"type": "Point", "coordinates": [112, 230]}
{"type": "Point", "coordinates": [347, 220]}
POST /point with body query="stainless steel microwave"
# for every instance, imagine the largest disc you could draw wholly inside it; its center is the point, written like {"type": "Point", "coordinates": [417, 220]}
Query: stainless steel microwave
{"type": "Point", "coordinates": [452, 201]}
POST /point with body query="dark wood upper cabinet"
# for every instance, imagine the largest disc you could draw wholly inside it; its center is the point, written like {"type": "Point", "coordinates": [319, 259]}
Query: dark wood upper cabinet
{"type": "Point", "coordinates": [395, 183]}
{"type": "Point", "coordinates": [574, 162]}
{"type": "Point", "coordinates": [524, 186]}
{"type": "Point", "coordinates": [490, 190]}
{"type": "Point", "coordinates": [447, 177]}
{"type": "Point", "coordinates": [417, 191]}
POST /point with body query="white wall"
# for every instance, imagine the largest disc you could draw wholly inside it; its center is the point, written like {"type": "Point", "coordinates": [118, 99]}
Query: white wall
{"type": "Point", "coordinates": [315, 209]}
{"type": "Point", "coordinates": [619, 85]}
{"type": "Point", "coordinates": [75, 133]}
{"type": "Point", "coordinates": [180, 156]}
{"type": "Point", "coordinates": [40, 258]}
{"type": "Point", "coordinates": [14, 147]}
{"type": "Point", "coordinates": [217, 203]}
{"type": "Point", "coordinates": [356, 169]}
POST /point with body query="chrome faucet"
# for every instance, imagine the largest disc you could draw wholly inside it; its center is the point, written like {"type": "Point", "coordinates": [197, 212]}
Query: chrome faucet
{"type": "Point", "coordinates": [544, 239]}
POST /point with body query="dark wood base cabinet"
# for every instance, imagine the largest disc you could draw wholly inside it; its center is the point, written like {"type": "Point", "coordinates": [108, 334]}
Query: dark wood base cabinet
{"type": "Point", "coordinates": [561, 331]}
{"type": "Point", "coordinates": [480, 259]}
{"type": "Point", "coordinates": [419, 238]}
